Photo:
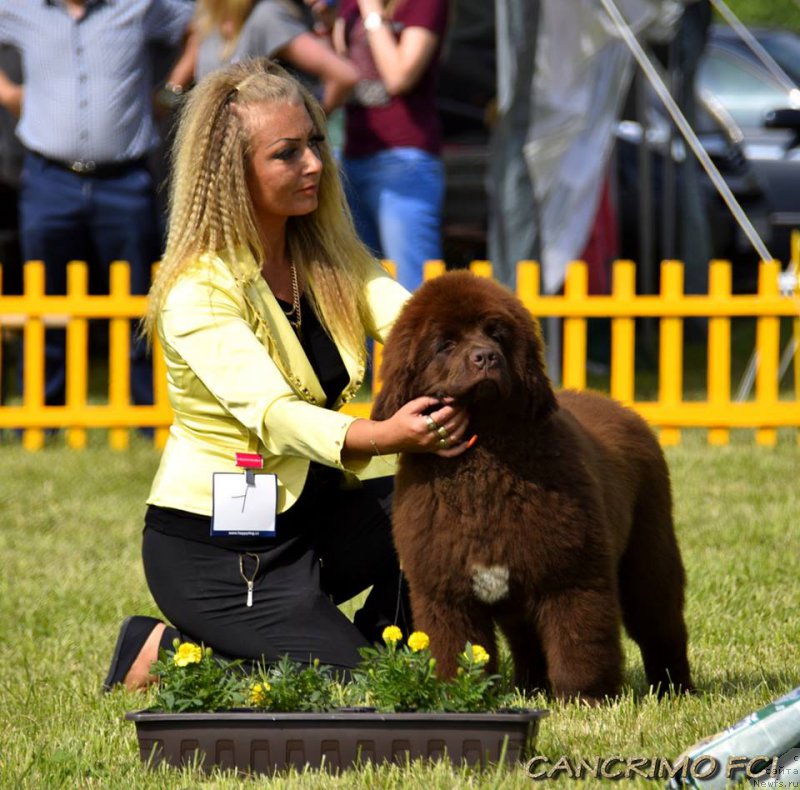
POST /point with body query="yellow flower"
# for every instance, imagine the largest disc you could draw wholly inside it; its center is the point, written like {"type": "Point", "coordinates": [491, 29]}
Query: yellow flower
{"type": "Point", "coordinates": [187, 653]}
{"type": "Point", "coordinates": [479, 655]}
{"type": "Point", "coordinates": [392, 634]}
{"type": "Point", "coordinates": [418, 641]}
{"type": "Point", "coordinates": [258, 693]}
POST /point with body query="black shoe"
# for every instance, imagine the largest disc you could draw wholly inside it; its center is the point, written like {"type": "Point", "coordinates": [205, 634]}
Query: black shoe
{"type": "Point", "coordinates": [132, 636]}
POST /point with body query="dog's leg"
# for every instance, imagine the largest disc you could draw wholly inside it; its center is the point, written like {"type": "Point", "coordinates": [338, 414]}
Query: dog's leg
{"type": "Point", "coordinates": [580, 631]}
{"type": "Point", "coordinates": [450, 628]}
{"type": "Point", "coordinates": [530, 666]}
{"type": "Point", "coordinates": [651, 582]}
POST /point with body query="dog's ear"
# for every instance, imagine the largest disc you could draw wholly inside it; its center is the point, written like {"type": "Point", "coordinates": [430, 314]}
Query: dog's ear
{"type": "Point", "coordinates": [387, 402]}
{"type": "Point", "coordinates": [398, 373]}
{"type": "Point", "coordinates": [538, 388]}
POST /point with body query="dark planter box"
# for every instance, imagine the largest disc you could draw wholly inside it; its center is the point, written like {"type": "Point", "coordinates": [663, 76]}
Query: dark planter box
{"type": "Point", "coordinates": [264, 742]}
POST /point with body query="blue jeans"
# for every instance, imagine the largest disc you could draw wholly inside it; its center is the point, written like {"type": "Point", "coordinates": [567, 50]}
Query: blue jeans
{"type": "Point", "coordinates": [396, 199]}
{"type": "Point", "coordinates": [65, 216]}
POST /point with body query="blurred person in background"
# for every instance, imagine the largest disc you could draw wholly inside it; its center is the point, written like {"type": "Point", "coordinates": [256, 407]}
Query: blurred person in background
{"type": "Point", "coordinates": [86, 122]}
{"type": "Point", "coordinates": [392, 166]}
{"type": "Point", "coordinates": [11, 154]}
{"type": "Point", "coordinates": [286, 30]}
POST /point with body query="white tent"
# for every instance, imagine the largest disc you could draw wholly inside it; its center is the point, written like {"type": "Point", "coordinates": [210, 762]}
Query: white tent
{"type": "Point", "coordinates": [562, 73]}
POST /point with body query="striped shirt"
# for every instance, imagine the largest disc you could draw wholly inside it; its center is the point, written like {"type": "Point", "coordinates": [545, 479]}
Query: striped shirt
{"type": "Point", "coordinates": [88, 82]}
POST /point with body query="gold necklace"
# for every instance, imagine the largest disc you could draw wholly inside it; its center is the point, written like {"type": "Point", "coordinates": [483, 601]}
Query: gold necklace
{"type": "Point", "coordinates": [294, 315]}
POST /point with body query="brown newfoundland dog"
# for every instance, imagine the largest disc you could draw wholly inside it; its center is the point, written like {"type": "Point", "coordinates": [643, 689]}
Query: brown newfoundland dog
{"type": "Point", "coordinates": [556, 526]}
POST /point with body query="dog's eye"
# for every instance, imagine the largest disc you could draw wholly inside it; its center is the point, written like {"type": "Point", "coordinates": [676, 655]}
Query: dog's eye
{"type": "Point", "coordinates": [445, 346]}
{"type": "Point", "coordinates": [495, 331]}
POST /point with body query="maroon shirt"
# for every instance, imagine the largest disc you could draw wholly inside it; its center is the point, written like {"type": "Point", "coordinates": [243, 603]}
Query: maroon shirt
{"type": "Point", "coordinates": [375, 121]}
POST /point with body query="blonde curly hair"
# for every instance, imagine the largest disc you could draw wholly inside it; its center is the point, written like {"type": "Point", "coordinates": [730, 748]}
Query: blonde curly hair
{"type": "Point", "coordinates": [211, 210]}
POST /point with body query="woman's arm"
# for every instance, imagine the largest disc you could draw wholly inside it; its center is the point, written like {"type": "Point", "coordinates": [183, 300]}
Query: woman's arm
{"type": "Point", "coordinates": [338, 40]}
{"type": "Point", "coordinates": [208, 340]}
{"type": "Point", "coordinates": [314, 56]}
{"type": "Point", "coordinates": [181, 76]}
{"type": "Point", "coordinates": [182, 72]}
{"type": "Point", "coordinates": [10, 95]}
{"type": "Point", "coordinates": [204, 329]}
{"type": "Point", "coordinates": [402, 61]}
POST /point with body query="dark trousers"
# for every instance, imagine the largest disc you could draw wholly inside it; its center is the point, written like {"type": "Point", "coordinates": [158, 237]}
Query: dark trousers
{"type": "Point", "coordinates": [65, 216]}
{"type": "Point", "coordinates": [11, 282]}
{"type": "Point", "coordinates": [331, 546]}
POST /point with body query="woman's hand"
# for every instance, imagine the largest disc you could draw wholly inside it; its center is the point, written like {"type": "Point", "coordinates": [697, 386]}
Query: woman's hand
{"type": "Point", "coordinates": [370, 6]}
{"type": "Point", "coordinates": [423, 425]}
{"type": "Point", "coordinates": [426, 425]}
{"type": "Point", "coordinates": [400, 60]}
{"type": "Point", "coordinates": [324, 12]}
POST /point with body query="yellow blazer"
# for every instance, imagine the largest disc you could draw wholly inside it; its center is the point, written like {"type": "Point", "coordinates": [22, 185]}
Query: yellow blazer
{"type": "Point", "coordinates": [239, 381]}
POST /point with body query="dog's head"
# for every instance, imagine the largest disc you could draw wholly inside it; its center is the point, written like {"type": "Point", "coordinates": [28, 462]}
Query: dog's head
{"type": "Point", "coordinates": [469, 338]}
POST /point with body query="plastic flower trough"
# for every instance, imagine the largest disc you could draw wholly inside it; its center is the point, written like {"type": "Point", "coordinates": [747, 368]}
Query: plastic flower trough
{"type": "Point", "coordinates": [264, 742]}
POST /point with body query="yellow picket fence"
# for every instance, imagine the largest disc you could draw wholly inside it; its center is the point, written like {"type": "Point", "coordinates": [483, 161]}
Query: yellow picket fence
{"type": "Point", "coordinates": [766, 412]}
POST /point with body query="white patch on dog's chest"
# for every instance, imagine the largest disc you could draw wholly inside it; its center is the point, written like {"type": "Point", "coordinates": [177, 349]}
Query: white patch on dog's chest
{"type": "Point", "coordinates": [490, 584]}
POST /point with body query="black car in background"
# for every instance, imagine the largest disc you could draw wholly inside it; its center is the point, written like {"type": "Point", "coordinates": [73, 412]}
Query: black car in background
{"type": "Point", "coordinates": [733, 78]}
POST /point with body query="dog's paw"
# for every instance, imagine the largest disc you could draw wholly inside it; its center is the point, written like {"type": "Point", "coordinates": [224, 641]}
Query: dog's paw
{"type": "Point", "coordinates": [490, 585]}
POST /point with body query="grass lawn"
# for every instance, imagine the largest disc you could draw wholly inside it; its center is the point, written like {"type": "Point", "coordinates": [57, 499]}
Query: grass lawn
{"type": "Point", "coordinates": [775, 13]}
{"type": "Point", "coordinates": [69, 542]}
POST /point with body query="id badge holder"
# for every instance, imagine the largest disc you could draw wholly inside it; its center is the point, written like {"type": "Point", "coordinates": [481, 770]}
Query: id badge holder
{"type": "Point", "coordinates": [244, 505]}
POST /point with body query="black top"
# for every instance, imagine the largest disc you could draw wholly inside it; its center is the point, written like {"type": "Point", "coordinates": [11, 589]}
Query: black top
{"type": "Point", "coordinates": [321, 351]}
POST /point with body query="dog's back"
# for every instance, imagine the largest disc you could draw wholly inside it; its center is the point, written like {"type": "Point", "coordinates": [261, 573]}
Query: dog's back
{"type": "Point", "coordinates": [628, 461]}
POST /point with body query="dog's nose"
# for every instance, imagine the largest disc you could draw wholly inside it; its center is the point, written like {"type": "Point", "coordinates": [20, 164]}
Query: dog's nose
{"type": "Point", "coordinates": [483, 358]}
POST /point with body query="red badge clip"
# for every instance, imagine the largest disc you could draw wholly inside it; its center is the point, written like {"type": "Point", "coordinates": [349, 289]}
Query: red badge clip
{"type": "Point", "coordinates": [249, 461]}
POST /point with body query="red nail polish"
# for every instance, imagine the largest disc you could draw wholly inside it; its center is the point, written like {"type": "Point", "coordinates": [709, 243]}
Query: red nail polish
{"type": "Point", "coordinates": [472, 440]}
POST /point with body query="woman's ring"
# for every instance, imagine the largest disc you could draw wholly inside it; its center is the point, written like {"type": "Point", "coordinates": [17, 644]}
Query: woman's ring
{"type": "Point", "coordinates": [443, 443]}
{"type": "Point", "coordinates": [442, 431]}
{"type": "Point", "coordinates": [432, 424]}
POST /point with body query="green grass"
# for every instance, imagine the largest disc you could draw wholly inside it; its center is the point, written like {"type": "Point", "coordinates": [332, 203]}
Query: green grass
{"type": "Point", "coordinates": [70, 542]}
{"type": "Point", "coordinates": [770, 13]}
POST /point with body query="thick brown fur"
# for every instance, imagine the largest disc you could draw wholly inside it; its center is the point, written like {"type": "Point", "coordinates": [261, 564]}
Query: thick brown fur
{"type": "Point", "coordinates": [556, 526]}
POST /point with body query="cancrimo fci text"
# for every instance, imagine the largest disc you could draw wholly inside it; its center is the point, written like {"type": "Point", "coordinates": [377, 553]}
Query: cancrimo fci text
{"type": "Point", "coordinates": [702, 766]}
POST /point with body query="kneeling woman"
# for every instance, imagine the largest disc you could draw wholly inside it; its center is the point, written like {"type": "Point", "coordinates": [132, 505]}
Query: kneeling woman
{"type": "Point", "coordinates": [262, 305]}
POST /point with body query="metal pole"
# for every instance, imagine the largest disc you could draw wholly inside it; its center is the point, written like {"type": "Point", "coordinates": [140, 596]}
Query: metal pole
{"type": "Point", "coordinates": [686, 130]}
{"type": "Point", "coordinates": [692, 140]}
{"type": "Point", "coordinates": [669, 174]}
{"type": "Point", "coordinates": [646, 213]}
